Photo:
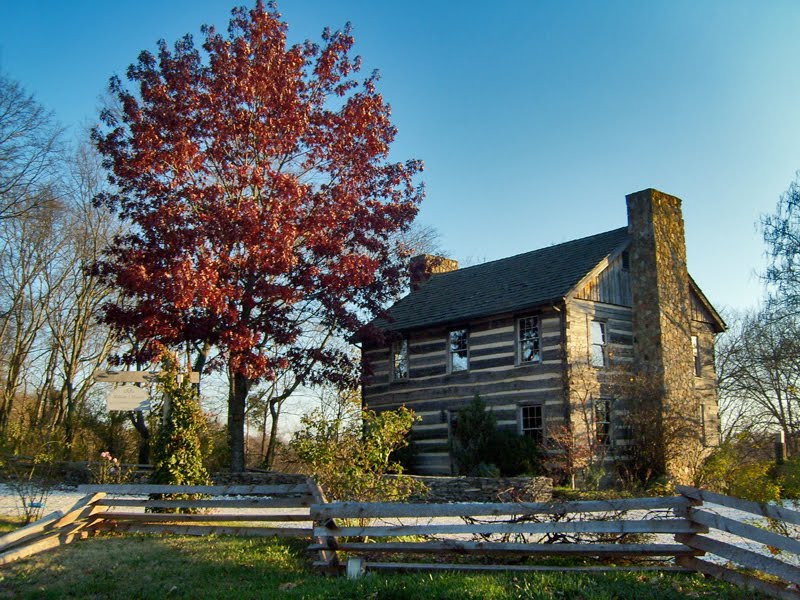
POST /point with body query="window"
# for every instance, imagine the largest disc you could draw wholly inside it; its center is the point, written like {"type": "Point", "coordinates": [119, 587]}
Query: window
{"type": "Point", "coordinates": [528, 340]}
{"type": "Point", "coordinates": [703, 424]}
{"type": "Point", "coordinates": [626, 260]}
{"type": "Point", "coordinates": [458, 350]}
{"type": "Point", "coordinates": [698, 361]}
{"type": "Point", "coordinates": [400, 360]}
{"type": "Point", "coordinates": [532, 422]}
{"type": "Point", "coordinates": [597, 356]}
{"type": "Point", "coordinates": [602, 421]}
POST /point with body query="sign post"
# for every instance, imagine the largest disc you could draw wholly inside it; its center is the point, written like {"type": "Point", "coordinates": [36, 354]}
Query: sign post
{"type": "Point", "coordinates": [131, 397]}
{"type": "Point", "coordinates": [135, 376]}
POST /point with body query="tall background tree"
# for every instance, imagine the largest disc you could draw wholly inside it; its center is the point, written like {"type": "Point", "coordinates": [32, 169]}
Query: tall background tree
{"type": "Point", "coordinates": [782, 235]}
{"type": "Point", "coordinates": [758, 366]}
{"type": "Point", "coordinates": [262, 206]}
{"type": "Point", "coordinates": [30, 144]}
{"type": "Point", "coordinates": [50, 233]}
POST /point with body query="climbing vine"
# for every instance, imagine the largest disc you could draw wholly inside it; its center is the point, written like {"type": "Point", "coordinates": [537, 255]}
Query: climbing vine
{"type": "Point", "coordinates": [177, 454]}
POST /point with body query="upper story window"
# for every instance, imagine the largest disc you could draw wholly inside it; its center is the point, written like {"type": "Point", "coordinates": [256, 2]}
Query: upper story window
{"type": "Point", "coordinates": [597, 354]}
{"type": "Point", "coordinates": [458, 350]}
{"type": "Point", "coordinates": [400, 360]}
{"type": "Point", "coordinates": [626, 260]}
{"type": "Point", "coordinates": [698, 363]}
{"type": "Point", "coordinates": [602, 421]}
{"type": "Point", "coordinates": [528, 346]}
{"type": "Point", "coordinates": [532, 422]}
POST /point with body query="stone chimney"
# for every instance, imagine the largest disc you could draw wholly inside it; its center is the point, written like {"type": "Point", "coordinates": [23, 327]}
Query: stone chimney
{"type": "Point", "coordinates": [423, 266]}
{"type": "Point", "coordinates": [662, 322]}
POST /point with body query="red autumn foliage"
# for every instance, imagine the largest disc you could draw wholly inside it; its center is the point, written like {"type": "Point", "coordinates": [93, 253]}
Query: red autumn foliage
{"type": "Point", "coordinates": [262, 204]}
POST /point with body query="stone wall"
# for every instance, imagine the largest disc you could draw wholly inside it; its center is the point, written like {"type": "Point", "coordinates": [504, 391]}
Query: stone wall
{"type": "Point", "coordinates": [258, 478]}
{"type": "Point", "coordinates": [485, 489]}
{"type": "Point", "coordinates": [440, 489]}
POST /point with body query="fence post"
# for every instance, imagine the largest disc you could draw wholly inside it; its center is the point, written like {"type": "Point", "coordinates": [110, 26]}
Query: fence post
{"type": "Point", "coordinates": [695, 500]}
{"type": "Point", "coordinates": [329, 558]}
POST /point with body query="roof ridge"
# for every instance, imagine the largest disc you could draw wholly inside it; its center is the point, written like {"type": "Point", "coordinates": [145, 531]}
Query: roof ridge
{"type": "Point", "coordinates": [551, 246]}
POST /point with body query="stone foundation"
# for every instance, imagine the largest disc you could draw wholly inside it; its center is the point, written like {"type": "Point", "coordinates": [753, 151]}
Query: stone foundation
{"type": "Point", "coordinates": [440, 489]}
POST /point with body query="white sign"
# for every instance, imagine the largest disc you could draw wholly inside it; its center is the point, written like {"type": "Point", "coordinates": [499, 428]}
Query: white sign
{"type": "Point", "coordinates": [128, 397]}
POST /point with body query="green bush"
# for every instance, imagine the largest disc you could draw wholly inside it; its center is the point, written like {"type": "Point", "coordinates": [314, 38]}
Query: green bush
{"type": "Point", "coordinates": [733, 469]}
{"type": "Point", "coordinates": [788, 477]}
{"type": "Point", "coordinates": [515, 454]}
{"type": "Point", "coordinates": [480, 449]}
{"type": "Point", "coordinates": [350, 454]}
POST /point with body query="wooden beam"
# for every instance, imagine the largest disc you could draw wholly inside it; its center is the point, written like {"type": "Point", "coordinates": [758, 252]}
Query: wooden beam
{"type": "Point", "coordinates": [327, 554]}
{"type": "Point", "coordinates": [743, 557]}
{"type": "Point", "coordinates": [301, 502]}
{"type": "Point", "coordinates": [395, 566]}
{"type": "Point", "coordinates": [46, 542]}
{"type": "Point", "coordinates": [610, 527]}
{"type": "Point", "coordinates": [466, 547]}
{"type": "Point", "coordinates": [179, 529]}
{"type": "Point", "coordinates": [739, 579]}
{"type": "Point", "coordinates": [34, 529]}
{"type": "Point", "coordinates": [745, 530]}
{"type": "Point", "coordinates": [762, 509]}
{"type": "Point", "coordinates": [203, 518]}
{"type": "Point", "coordinates": [212, 490]}
{"type": "Point", "coordinates": [134, 376]}
{"type": "Point", "coordinates": [83, 508]}
{"type": "Point", "coordinates": [349, 510]}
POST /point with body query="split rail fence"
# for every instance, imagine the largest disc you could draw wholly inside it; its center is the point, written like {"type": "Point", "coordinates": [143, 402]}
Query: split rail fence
{"type": "Point", "coordinates": [684, 532]}
{"type": "Point", "coordinates": [246, 510]}
{"type": "Point", "coordinates": [622, 530]}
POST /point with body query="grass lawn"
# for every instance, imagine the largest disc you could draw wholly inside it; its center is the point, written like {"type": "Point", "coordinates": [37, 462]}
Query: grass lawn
{"type": "Point", "coordinates": [137, 566]}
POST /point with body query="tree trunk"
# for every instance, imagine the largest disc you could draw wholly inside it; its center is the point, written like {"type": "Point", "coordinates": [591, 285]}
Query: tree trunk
{"type": "Point", "coordinates": [137, 418]}
{"type": "Point", "coordinates": [237, 399]}
{"type": "Point", "coordinates": [69, 422]}
{"type": "Point", "coordinates": [275, 413]}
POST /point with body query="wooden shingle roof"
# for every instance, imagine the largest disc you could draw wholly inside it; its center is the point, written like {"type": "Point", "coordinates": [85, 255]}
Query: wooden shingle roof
{"type": "Point", "coordinates": [501, 286]}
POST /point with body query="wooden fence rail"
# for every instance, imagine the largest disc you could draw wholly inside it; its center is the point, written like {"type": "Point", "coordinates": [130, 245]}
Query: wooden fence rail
{"type": "Point", "coordinates": [596, 528]}
{"type": "Point", "coordinates": [680, 531]}
{"type": "Point", "coordinates": [251, 510]}
{"type": "Point", "coordinates": [600, 529]}
{"type": "Point", "coordinates": [742, 563]}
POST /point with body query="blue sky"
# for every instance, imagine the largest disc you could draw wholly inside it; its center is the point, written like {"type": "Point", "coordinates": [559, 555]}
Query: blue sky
{"type": "Point", "coordinates": [534, 119]}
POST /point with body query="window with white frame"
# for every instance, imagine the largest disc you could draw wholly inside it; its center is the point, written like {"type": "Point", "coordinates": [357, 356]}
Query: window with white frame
{"type": "Point", "coordinates": [602, 421]}
{"type": "Point", "coordinates": [458, 350]}
{"type": "Point", "coordinates": [698, 364]}
{"type": "Point", "coordinates": [528, 345]}
{"type": "Point", "coordinates": [400, 360]}
{"type": "Point", "coordinates": [597, 349]}
{"type": "Point", "coordinates": [531, 421]}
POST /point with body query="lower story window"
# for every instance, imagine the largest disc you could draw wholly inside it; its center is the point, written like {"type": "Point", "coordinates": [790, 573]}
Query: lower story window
{"type": "Point", "coordinates": [532, 422]}
{"type": "Point", "coordinates": [602, 421]}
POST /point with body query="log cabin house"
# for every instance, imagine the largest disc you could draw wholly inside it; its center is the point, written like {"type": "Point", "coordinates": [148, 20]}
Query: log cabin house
{"type": "Point", "coordinates": [539, 334]}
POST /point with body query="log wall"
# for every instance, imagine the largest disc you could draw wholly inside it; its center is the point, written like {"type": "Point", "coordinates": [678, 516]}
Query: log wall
{"type": "Point", "coordinates": [564, 383]}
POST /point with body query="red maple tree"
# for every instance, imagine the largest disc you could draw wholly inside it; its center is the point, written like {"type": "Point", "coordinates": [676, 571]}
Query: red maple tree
{"type": "Point", "coordinates": [262, 204]}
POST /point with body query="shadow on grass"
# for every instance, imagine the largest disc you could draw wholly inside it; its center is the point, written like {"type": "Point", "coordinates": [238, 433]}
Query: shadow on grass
{"type": "Point", "coordinates": [136, 566]}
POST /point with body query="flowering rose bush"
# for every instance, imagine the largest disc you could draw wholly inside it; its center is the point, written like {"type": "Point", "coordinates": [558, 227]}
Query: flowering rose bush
{"type": "Point", "coordinates": [109, 470]}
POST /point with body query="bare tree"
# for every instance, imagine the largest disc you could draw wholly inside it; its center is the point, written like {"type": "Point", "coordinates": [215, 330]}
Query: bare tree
{"type": "Point", "coordinates": [758, 362]}
{"type": "Point", "coordinates": [30, 243]}
{"type": "Point", "coordinates": [30, 145]}
{"type": "Point", "coordinates": [78, 340]}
